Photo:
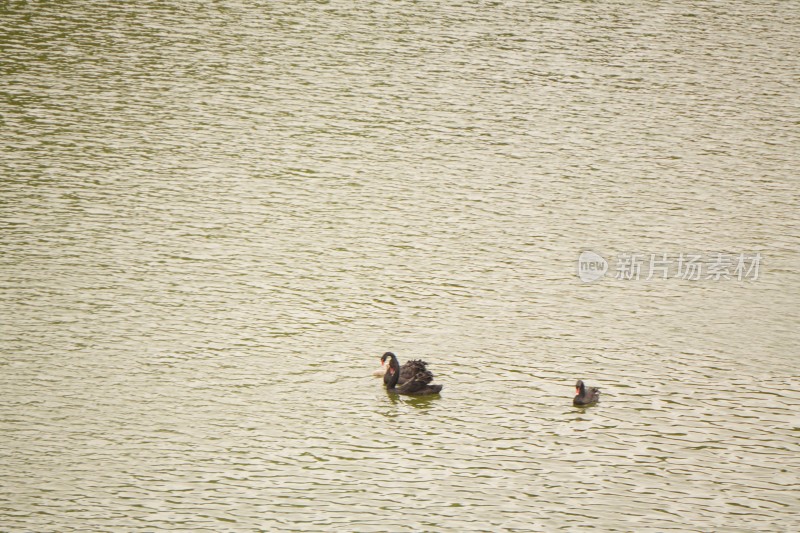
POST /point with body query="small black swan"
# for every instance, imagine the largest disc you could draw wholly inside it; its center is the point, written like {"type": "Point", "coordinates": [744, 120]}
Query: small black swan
{"type": "Point", "coordinates": [585, 395]}
{"type": "Point", "coordinates": [417, 381]}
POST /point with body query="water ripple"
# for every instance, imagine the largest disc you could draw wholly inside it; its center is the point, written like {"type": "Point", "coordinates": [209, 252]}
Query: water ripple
{"type": "Point", "coordinates": [215, 218]}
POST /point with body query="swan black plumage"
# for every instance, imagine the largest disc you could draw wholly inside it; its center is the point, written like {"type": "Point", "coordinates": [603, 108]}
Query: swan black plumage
{"type": "Point", "coordinates": [414, 377]}
{"type": "Point", "coordinates": [407, 371]}
{"type": "Point", "coordinates": [585, 395]}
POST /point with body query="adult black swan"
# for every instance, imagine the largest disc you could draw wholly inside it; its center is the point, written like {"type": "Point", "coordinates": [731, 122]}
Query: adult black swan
{"type": "Point", "coordinates": [407, 371]}
{"type": "Point", "coordinates": [417, 381]}
{"type": "Point", "coordinates": [585, 395]}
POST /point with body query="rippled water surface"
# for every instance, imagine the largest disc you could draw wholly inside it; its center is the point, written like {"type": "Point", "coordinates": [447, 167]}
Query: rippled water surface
{"type": "Point", "coordinates": [215, 217]}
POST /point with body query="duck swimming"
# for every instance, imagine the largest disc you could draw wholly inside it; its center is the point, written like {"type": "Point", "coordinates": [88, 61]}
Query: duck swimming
{"type": "Point", "coordinates": [413, 377]}
{"type": "Point", "coordinates": [585, 395]}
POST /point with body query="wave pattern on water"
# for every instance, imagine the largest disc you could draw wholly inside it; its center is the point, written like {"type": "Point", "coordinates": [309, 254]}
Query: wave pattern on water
{"type": "Point", "coordinates": [215, 218]}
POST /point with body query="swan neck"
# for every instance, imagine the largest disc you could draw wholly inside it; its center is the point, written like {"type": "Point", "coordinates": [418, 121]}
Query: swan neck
{"type": "Point", "coordinates": [390, 378]}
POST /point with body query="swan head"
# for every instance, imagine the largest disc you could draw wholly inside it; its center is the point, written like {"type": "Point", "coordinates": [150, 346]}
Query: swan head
{"type": "Point", "coordinates": [579, 387]}
{"type": "Point", "coordinates": [393, 365]}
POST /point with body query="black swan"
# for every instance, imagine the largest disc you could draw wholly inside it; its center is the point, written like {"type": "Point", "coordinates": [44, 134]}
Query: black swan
{"type": "Point", "coordinates": [407, 371]}
{"type": "Point", "coordinates": [585, 395]}
{"type": "Point", "coordinates": [417, 381]}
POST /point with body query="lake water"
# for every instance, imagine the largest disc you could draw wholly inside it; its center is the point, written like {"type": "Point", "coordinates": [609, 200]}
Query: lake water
{"type": "Point", "coordinates": [215, 217]}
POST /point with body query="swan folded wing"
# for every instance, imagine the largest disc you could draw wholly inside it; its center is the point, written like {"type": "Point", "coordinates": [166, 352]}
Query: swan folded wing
{"type": "Point", "coordinates": [420, 382]}
{"type": "Point", "coordinates": [412, 368]}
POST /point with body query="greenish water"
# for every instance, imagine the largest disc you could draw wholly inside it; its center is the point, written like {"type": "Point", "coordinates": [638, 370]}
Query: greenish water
{"type": "Point", "coordinates": [215, 217]}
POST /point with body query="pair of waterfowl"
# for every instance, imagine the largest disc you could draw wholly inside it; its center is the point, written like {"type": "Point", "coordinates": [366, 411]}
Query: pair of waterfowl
{"type": "Point", "coordinates": [414, 379]}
